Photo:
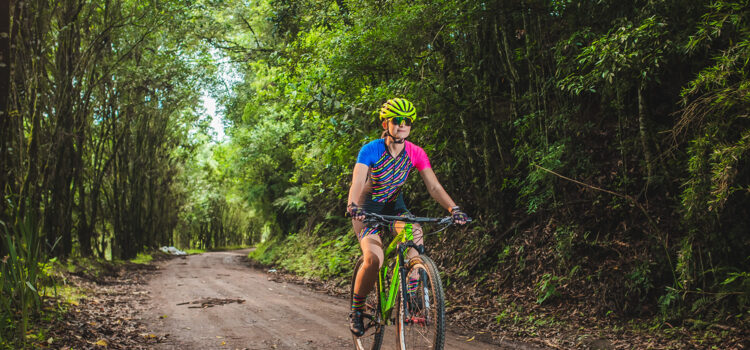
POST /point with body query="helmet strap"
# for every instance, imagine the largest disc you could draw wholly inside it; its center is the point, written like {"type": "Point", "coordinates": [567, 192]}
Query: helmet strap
{"type": "Point", "coordinates": [395, 140]}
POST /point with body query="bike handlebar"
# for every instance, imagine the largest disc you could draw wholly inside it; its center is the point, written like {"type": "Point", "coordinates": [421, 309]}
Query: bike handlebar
{"type": "Point", "coordinates": [378, 218]}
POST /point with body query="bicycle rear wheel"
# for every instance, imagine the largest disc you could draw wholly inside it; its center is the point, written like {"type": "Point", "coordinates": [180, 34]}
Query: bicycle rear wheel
{"type": "Point", "coordinates": [424, 326]}
{"type": "Point", "coordinates": [373, 337]}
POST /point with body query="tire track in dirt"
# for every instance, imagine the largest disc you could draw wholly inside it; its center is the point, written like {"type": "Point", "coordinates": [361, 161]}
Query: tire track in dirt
{"type": "Point", "coordinates": [273, 315]}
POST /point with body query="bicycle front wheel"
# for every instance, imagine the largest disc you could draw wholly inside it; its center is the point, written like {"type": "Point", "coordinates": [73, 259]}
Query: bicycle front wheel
{"type": "Point", "coordinates": [421, 318]}
{"type": "Point", "coordinates": [373, 337]}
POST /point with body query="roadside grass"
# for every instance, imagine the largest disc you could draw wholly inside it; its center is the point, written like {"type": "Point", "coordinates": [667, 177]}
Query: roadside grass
{"type": "Point", "coordinates": [228, 247]}
{"type": "Point", "coordinates": [310, 256]}
{"type": "Point", "coordinates": [65, 294]}
{"type": "Point", "coordinates": [57, 294]}
{"type": "Point", "coordinates": [142, 258]}
{"type": "Point", "coordinates": [192, 251]}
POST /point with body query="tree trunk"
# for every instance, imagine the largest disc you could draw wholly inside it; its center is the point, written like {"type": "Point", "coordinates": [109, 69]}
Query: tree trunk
{"type": "Point", "coordinates": [5, 122]}
{"type": "Point", "coordinates": [644, 136]}
{"type": "Point", "coordinates": [503, 48]}
{"type": "Point", "coordinates": [59, 219]}
{"type": "Point", "coordinates": [29, 26]}
{"type": "Point", "coordinates": [84, 226]}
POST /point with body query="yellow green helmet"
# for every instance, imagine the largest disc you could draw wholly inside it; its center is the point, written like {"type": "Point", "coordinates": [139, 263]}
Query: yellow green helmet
{"type": "Point", "coordinates": [398, 107]}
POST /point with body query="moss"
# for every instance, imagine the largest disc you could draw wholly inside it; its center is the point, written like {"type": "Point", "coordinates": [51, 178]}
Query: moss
{"type": "Point", "coordinates": [142, 258]}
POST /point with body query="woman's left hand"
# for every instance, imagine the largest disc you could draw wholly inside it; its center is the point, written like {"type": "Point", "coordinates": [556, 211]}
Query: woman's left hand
{"type": "Point", "coordinates": [459, 217]}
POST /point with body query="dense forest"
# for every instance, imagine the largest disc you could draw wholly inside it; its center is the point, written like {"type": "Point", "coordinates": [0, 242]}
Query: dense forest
{"type": "Point", "coordinates": [603, 147]}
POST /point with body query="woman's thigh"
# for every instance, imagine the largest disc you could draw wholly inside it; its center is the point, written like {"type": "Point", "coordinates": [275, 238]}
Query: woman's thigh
{"type": "Point", "coordinates": [371, 243]}
{"type": "Point", "coordinates": [372, 247]}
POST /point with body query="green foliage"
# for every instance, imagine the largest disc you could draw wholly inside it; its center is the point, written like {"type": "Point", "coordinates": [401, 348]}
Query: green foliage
{"type": "Point", "coordinates": [228, 247]}
{"type": "Point", "coordinates": [632, 52]}
{"type": "Point", "coordinates": [714, 121]}
{"type": "Point", "coordinates": [547, 288]}
{"type": "Point", "coordinates": [24, 276]}
{"type": "Point", "coordinates": [215, 213]}
{"type": "Point", "coordinates": [565, 237]}
{"type": "Point", "coordinates": [668, 302]}
{"type": "Point", "coordinates": [538, 189]}
{"type": "Point", "coordinates": [329, 258]}
{"type": "Point", "coordinates": [142, 258]}
{"type": "Point", "coordinates": [503, 255]}
{"type": "Point", "coordinates": [128, 108]}
{"type": "Point", "coordinates": [639, 281]}
{"type": "Point", "coordinates": [739, 281]}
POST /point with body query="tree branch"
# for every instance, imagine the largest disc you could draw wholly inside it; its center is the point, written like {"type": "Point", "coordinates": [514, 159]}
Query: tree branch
{"type": "Point", "coordinates": [632, 200]}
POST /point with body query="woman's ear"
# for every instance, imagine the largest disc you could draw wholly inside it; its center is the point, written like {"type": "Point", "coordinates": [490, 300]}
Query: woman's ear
{"type": "Point", "coordinates": [385, 124]}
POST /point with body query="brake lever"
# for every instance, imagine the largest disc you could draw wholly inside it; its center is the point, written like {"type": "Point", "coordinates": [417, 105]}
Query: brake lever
{"type": "Point", "coordinates": [449, 220]}
{"type": "Point", "coordinates": [446, 221]}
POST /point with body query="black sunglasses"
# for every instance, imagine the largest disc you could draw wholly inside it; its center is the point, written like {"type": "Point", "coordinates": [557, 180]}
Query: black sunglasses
{"type": "Point", "coordinates": [401, 121]}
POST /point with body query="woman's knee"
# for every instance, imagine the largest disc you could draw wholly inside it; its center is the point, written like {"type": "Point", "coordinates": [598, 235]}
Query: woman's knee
{"type": "Point", "coordinates": [417, 229]}
{"type": "Point", "coordinates": [371, 261]}
{"type": "Point", "coordinates": [417, 233]}
{"type": "Point", "coordinates": [372, 251]}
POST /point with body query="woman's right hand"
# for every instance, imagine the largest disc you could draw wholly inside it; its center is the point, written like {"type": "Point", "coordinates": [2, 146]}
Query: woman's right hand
{"type": "Point", "coordinates": [355, 211]}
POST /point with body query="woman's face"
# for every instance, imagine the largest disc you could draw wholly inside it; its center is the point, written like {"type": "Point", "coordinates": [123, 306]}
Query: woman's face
{"type": "Point", "coordinates": [399, 131]}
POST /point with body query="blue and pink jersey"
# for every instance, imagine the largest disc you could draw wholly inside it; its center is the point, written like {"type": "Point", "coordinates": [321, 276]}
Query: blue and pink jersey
{"type": "Point", "coordinates": [388, 173]}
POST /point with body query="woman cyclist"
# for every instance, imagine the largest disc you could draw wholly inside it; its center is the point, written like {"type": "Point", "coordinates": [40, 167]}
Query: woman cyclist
{"type": "Point", "coordinates": [381, 170]}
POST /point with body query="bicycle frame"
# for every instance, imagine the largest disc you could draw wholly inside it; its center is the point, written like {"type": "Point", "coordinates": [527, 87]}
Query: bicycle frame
{"type": "Point", "coordinates": [401, 243]}
{"type": "Point", "coordinates": [392, 289]}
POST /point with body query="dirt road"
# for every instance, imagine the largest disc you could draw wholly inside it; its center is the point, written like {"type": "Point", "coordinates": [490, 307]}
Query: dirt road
{"type": "Point", "coordinates": [272, 316]}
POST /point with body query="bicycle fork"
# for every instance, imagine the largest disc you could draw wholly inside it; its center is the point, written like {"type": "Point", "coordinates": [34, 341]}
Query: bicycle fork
{"type": "Point", "coordinates": [403, 248]}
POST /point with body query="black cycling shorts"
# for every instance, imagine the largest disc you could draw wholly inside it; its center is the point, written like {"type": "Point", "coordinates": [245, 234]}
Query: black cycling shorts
{"type": "Point", "coordinates": [397, 207]}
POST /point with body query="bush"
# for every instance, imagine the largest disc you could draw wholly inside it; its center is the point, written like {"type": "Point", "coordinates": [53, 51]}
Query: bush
{"type": "Point", "coordinates": [330, 258]}
{"type": "Point", "coordinates": [23, 277]}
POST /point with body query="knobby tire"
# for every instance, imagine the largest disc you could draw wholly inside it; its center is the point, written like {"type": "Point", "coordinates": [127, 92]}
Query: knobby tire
{"type": "Point", "coordinates": [425, 329]}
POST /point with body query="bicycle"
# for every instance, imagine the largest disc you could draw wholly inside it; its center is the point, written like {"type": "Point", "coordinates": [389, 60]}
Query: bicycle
{"type": "Point", "coordinates": [421, 320]}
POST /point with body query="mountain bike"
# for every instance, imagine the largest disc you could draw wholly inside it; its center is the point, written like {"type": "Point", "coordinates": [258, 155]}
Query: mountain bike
{"type": "Point", "coordinates": [419, 316]}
